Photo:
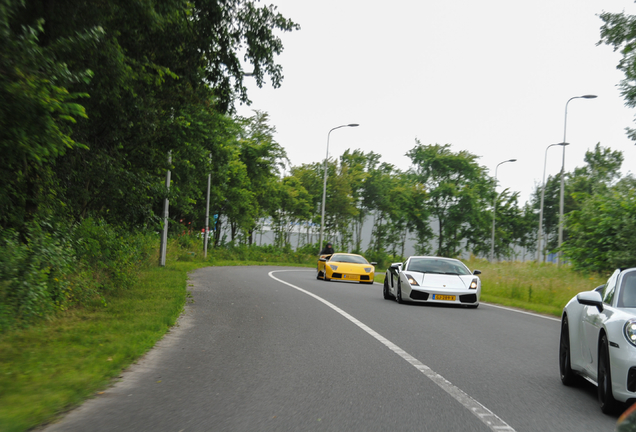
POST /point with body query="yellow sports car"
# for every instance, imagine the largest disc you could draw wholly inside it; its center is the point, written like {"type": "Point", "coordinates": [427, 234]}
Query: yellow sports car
{"type": "Point", "coordinates": [346, 267]}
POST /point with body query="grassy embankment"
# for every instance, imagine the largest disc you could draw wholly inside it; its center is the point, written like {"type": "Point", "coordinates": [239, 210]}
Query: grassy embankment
{"type": "Point", "coordinates": [54, 365]}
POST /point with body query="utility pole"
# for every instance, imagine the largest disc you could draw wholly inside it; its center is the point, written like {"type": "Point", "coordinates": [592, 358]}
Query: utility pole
{"type": "Point", "coordinates": [166, 206]}
{"type": "Point", "coordinates": [207, 213]}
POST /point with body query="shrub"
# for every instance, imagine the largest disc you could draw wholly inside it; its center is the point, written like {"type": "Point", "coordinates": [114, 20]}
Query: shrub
{"type": "Point", "coordinates": [52, 268]}
{"type": "Point", "coordinates": [265, 253]}
{"type": "Point", "coordinates": [33, 274]}
{"type": "Point", "coordinates": [113, 255]}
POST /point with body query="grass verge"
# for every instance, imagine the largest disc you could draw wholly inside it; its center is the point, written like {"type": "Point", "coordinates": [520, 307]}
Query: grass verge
{"type": "Point", "coordinates": [55, 365]}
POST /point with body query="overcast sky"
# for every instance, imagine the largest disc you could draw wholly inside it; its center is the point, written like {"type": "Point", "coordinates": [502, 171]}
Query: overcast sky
{"type": "Point", "coordinates": [491, 77]}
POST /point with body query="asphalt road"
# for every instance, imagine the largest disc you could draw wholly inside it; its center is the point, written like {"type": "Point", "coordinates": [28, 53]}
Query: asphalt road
{"type": "Point", "coordinates": [274, 349]}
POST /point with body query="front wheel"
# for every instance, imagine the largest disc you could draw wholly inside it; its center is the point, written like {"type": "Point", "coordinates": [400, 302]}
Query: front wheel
{"type": "Point", "coordinates": [398, 293]}
{"type": "Point", "coordinates": [385, 291]}
{"type": "Point", "coordinates": [605, 396]}
{"type": "Point", "coordinates": [568, 377]}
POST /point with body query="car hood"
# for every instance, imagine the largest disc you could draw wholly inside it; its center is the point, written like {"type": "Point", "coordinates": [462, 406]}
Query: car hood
{"type": "Point", "coordinates": [350, 267]}
{"type": "Point", "coordinates": [432, 280]}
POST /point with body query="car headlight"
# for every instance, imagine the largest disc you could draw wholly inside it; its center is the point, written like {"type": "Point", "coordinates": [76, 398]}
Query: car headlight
{"type": "Point", "coordinates": [412, 281]}
{"type": "Point", "coordinates": [333, 267]}
{"type": "Point", "coordinates": [368, 269]}
{"type": "Point", "coordinates": [473, 284]}
{"type": "Point", "coordinates": [630, 331]}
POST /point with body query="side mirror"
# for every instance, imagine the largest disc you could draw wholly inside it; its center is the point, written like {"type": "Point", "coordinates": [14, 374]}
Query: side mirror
{"type": "Point", "coordinates": [322, 259]}
{"type": "Point", "coordinates": [591, 298]}
{"type": "Point", "coordinates": [477, 272]}
{"type": "Point", "coordinates": [396, 266]}
{"type": "Point", "coordinates": [374, 263]}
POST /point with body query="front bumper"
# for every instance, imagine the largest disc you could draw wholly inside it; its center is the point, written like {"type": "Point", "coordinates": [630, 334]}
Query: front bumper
{"type": "Point", "coordinates": [621, 361]}
{"type": "Point", "coordinates": [352, 277]}
{"type": "Point", "coordinates": [430, 295]}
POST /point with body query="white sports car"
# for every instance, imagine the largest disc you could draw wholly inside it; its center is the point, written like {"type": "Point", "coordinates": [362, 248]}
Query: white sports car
{"type": "Point", "coordinates": [425, 279]}
{"type": "Point", "coordinates": [598, 340]}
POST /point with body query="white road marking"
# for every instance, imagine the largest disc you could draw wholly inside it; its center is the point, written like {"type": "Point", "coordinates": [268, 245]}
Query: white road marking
{"type": "Point", "coordinates": [481, 412]}
{"type": "Point", "coordinates": [524, 312]}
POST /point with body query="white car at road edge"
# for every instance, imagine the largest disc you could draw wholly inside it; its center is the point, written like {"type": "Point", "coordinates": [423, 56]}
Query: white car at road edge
{"type": "Point", "coordinates": [598, 340]}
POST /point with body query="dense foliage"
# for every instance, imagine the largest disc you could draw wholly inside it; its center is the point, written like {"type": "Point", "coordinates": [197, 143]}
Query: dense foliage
{"type": "Point", "coordinates": [98, 101]}
{"type": "Point", "coordinates": [94, 97]}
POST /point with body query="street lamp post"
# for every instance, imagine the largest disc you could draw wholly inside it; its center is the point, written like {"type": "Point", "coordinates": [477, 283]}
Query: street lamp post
{"type": "Point", "coordinates": [324, 185]}
{"type": "Point", "coordinates": [494, 206]}
{"type": "Point", "coordinates": [540, 233]}
{"type": "Point", "coordinates": [561, 196]}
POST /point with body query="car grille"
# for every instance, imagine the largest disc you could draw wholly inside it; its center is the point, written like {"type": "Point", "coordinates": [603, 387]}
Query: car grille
{"type": "Point", "coordinates": [418, 295]}
{"type": "Point", "coordinates": [468, 298]}
{"type": "Point", "coordinates": [365, 277]}
{"type": "Point", "coordinates": [337, 275]}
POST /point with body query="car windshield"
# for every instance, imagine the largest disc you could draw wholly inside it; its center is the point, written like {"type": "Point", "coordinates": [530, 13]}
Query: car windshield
{"type": "Point", "coordinates": [438, 266]}
{"type": "Point", "coordinates": [355, 259]}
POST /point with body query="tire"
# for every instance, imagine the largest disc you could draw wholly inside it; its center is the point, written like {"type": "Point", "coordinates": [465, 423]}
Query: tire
{"type": "Point", "coordinates": [568, 377]}
{"type": "Point", "coordinates": [318, 275]}
{"type": "Point", "coordinates": [605, 396]}
{"type": "Point", "coordinates": [385, 291]}
{"type": "Point", "coordinates": [398, 293]}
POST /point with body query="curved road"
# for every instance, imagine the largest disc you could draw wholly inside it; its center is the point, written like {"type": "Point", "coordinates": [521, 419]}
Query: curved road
{"type": "Point", "coordinates": [274, 349]}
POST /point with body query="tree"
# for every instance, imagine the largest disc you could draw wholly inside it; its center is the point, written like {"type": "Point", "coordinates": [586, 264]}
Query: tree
{"type": "Point", "coordinates": [263, 158]}
{"type": "Point", "coordinates": [602, 167]}
{"type": "Point", "coordinates": [340, 207]}
{"type": "Point", "coordinates": [407, 214]}
{"type": "Point", "coordinates": [601, 231]}
{"type": "Point", "coordinates": [37, 113]}
{"type": "Point", "coordinates": [377, 195]}
{"type": "Point", "coordinates": [513, 226]}
{"type": "Point", "coordinates": [294, 207]}
{"type": "Point", "coordinates": [310, 178]}
{"type": "Point", "coordinates": [619, 31]}
{"type": "Point", "coordinates": [358, 166]}
{"type": "Point", "coordinates": [458, 191]}
{"type": "Point", "coordinates": [160, 74]}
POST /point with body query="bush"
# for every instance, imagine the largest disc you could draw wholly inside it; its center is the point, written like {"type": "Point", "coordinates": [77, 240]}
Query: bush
{"type": "Point", "coordinates": [113, 255]}
{"type": "Point", "coordinates": [383, 259]}
{"type": "Point", "coordinates": [265, 253]}
{"type": "Point", "coordinates": [33, 274]}
{"type": "Point", "coordinates": [52, 268]}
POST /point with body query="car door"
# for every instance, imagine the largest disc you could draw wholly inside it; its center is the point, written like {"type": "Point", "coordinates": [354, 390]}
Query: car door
{"type": "Point", "coordinates": [592, 320]}
{"type": "Point", "coordinates": [394, 274]}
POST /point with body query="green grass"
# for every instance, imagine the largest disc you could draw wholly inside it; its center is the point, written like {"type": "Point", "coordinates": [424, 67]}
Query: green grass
{"type": "Point", "coordinates": [544, 288]}
{"type": "Point", "coordinates": [53, 366]}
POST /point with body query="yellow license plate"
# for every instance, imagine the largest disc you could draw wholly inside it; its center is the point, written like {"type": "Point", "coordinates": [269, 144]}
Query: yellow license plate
{"type": "Point", "coordinates": [443, 297]}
